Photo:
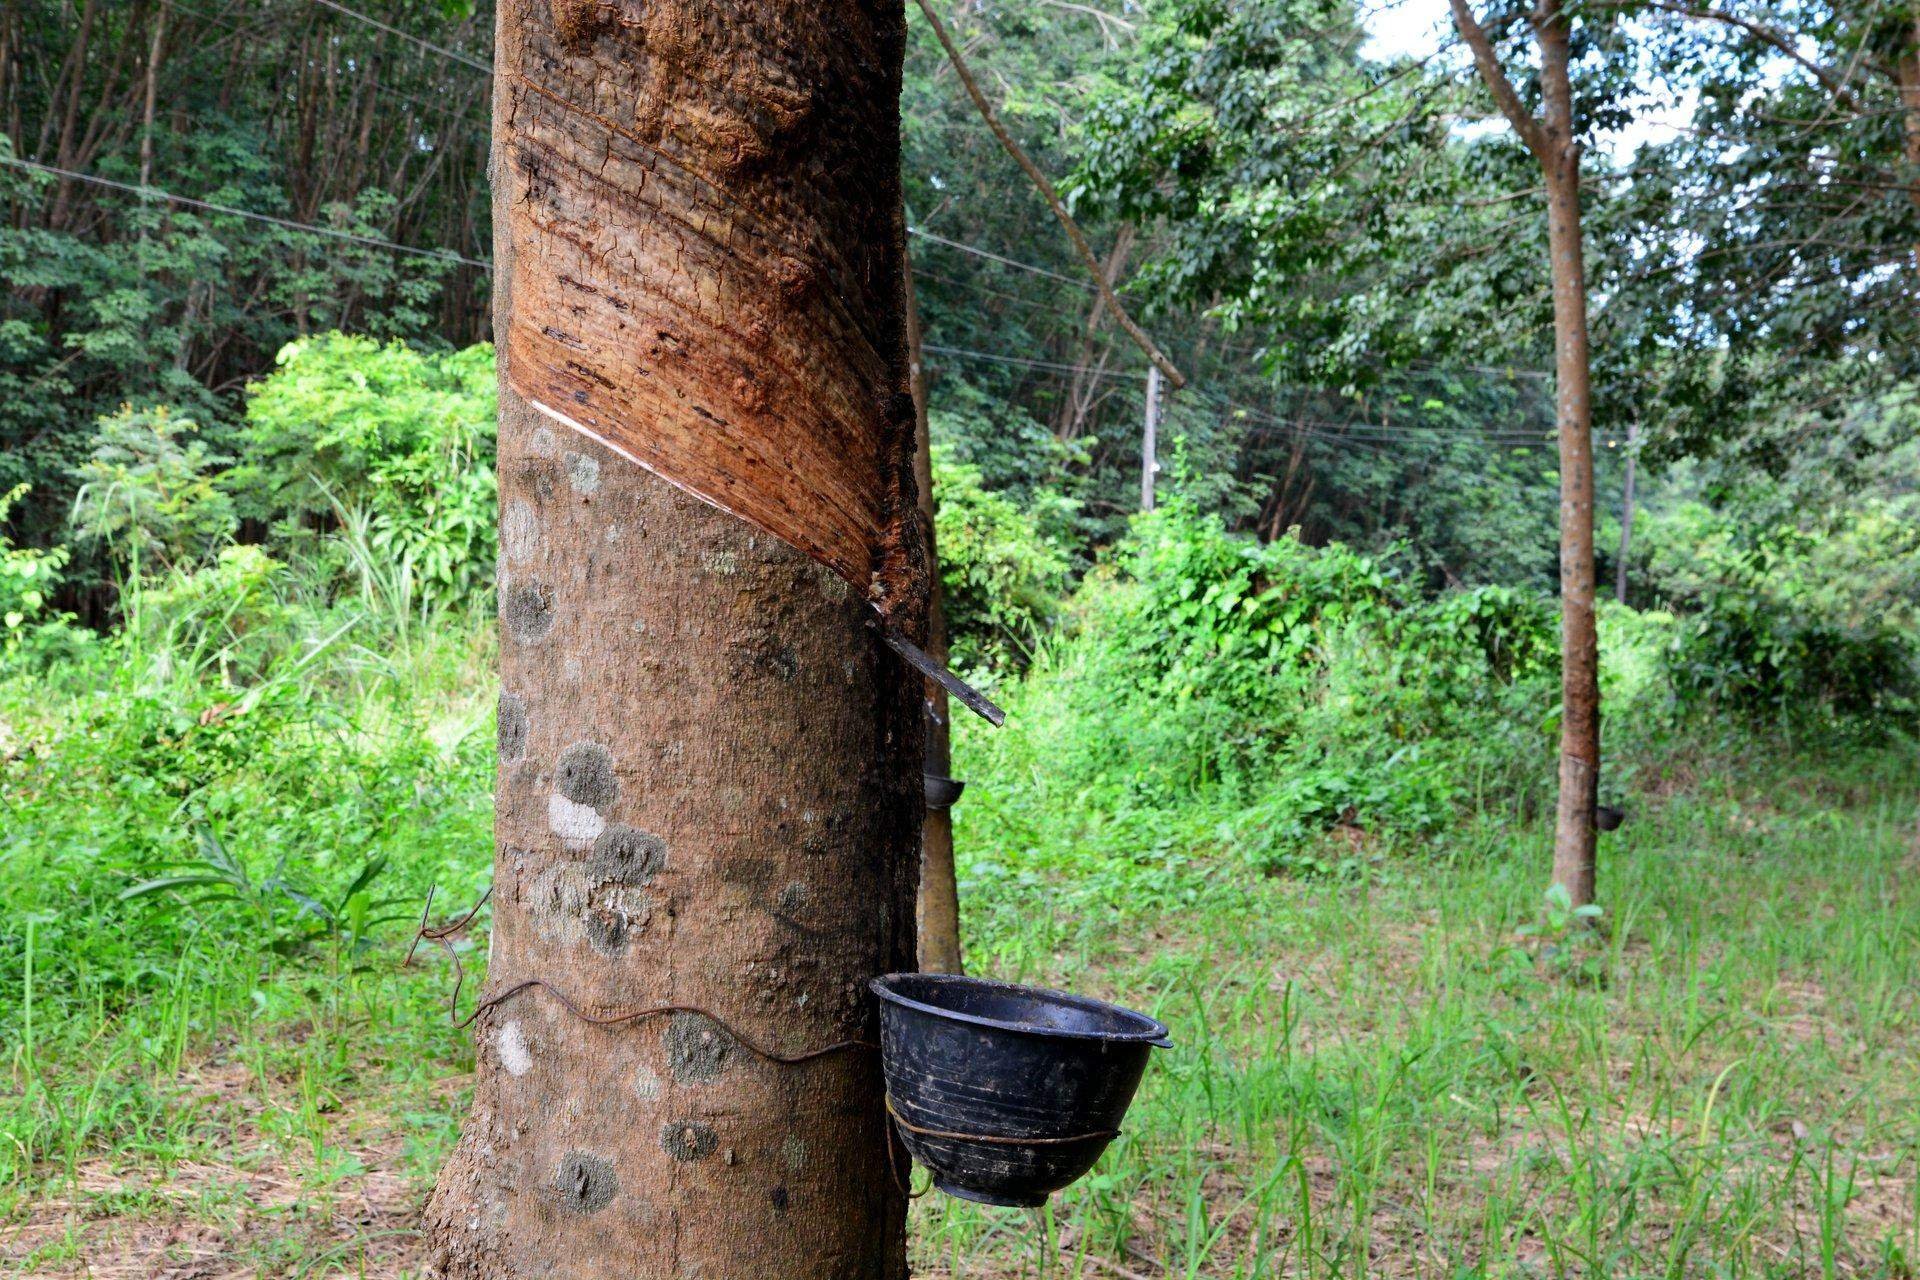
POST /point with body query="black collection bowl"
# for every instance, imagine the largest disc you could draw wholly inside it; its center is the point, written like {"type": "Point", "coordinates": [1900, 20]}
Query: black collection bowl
{"type": "Point", "coordinates": [1007, 1093]}
{"type": "Point", "coordinates": [941, 792]}
{"type": "Point", "coordinates": [1608, 817]}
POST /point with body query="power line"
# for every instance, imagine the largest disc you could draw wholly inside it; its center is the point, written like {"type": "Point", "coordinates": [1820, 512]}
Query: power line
{"type": "Point", "coordinates": [156, 193]}
{"type": "Point", "coordinates": [466, 58]}
{"type": "Point", "coordinates": [1025, 362]}
{"type": "Point", "coordinates": [991, 256]}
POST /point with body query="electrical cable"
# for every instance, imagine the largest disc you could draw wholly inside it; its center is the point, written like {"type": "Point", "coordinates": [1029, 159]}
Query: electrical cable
{"type": "Point", "coordinates": [157, 193]}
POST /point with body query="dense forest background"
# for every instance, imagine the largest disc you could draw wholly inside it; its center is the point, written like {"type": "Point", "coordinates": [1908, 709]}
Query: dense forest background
{"type": "Point", "coordinates": [1342, 254]}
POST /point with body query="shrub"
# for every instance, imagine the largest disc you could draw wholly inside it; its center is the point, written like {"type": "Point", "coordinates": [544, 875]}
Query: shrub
{"type": "Point", "coordinates": [27, 580]}
{"type": "Point", "coordinates": [148, 494]}
{"type": "Point", "coordinates": [404, 435]}
{"type": "Point", "coordinates": [1784, 621]}
{"type": "Point", "coordinates": [1001, 578]}
{"type": "Point", "coordinates": [224, 618]}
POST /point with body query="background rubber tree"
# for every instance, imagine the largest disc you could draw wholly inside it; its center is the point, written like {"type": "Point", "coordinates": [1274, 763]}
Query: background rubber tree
{"type": "Point", "coordinates": [708, 787]}
{"type": "Point", "coordinates": [1553, 138]}
{"type": "Point", "coordinates": [937, 915]}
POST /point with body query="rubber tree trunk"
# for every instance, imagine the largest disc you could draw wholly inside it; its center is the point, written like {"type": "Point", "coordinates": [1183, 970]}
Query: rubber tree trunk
{"type": "Point", "coordinates": [1553, 138]}
{"type": "Point", "coordinates": [939, 907]}
{"type": "Point", "coordinates": [1574, 831]}
{"type": "Point", "coordinates": [708, 788]}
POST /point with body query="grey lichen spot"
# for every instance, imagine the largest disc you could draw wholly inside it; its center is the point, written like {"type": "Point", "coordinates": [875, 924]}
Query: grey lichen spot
{"type": "Point", "coordinates": [585, 776]}
{"type": "Point", "coordinates": [583, 473]}
{"type": "Point", "coordinates": [688, 1140]}
{"type": "Point", "coordinates": [697, 1049]}
{"type": "Point", "coordinates": [542, 444]}
{"type": "Point", "coordinates": [792, 899]}
{"type": "Point", "coordinates": [784, 662]}
{"type": "Point", "coordinates": [585, 1183]}
{"type": "Point", "coordinates": [528, 610]}
{"type": "Point", "coordinates": [519, 531]}
{"type": "Point", "coordinates": [607, 931]}
{"type": "Point", "coordinates": [627, 855]}
{"type": "Point", "coordinates": [513, 727]}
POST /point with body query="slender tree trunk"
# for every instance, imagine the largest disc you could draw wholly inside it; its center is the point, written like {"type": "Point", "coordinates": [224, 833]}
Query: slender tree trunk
{"type": "Point", "coordinates": [1553, 138]}
{"type": "Point", "coordinates": [1626, 512]}
{"type": "Point", "coordinates": [938, 925]}
{"type": "Point", "coordinates": [708, 789]}
{"type": "Point", "coordinates": [149, 94]}
{"type": "Point", "coordinates": [1907, 78]}
{"type": "Point", "coordinates": [1574, 832]}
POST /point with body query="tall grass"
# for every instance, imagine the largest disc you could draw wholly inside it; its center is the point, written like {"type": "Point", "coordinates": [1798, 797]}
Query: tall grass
{"type": "Point", "coordinates": [1393, 1055]}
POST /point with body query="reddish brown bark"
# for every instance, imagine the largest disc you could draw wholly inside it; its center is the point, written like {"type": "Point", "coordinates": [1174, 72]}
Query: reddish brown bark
{"type": "Point", "coordinates": [708, 789]}
{"type": "Point", "coordinates": [1553, 139]}
{"type": "Point", "coordinates": [723, 341]}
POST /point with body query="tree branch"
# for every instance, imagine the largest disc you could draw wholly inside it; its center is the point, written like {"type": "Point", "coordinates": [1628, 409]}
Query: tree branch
{"type": "Point", "coordinates": [1505, 96]}
{"type": "Point", "coordinates": [1773, 38]}
{"type": "Point", "coordinates": [1052, 197]}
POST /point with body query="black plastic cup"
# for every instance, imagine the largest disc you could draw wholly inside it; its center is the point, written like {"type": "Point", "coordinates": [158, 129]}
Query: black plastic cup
{"type": "Point", "coordinates": [1007, 1093]}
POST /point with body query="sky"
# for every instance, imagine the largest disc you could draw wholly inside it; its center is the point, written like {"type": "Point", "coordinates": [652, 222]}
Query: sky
{"type": "Point", "coordinates": [1418, 28]}
{"type": "Point", "coordinates": [1407, 28]}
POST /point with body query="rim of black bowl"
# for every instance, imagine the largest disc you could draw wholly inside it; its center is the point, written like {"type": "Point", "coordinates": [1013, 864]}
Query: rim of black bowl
{"type": "Point", "coordinates": [1147, 1030]}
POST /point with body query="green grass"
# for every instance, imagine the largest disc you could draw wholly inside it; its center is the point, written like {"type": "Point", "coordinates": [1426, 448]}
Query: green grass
{"type": "Point", "coordinates": [1386, 1077]}
{"type": "Point", "coordinates": [1389, 1072]}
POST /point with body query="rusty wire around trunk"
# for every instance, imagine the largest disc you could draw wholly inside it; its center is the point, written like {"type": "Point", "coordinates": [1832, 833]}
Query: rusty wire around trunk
{"type": "Point", "coordinates": [444, 934]}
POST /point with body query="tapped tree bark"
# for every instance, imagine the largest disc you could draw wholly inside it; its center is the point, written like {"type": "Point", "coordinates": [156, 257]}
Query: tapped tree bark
{"type": "Point", "coordinates": [1553, 139]}
{"type": "Point", "coordinates": [708, 787]}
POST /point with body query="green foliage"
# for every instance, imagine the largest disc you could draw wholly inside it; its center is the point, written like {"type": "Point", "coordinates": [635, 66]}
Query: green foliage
{"type": "Point", "coordinates": [148, 492]}
{"type": "Point", "coordinates": [1791, 622]}
{"type": "Point", "coordinates": [1223, 619]}
{"type": "Point", "coordinates": [1325, 715]}
{"type": "Point", "coordinates": [1001, 578]}
{"type": "Point", "coordinates": [404, 435]}
{"type": "Point", "coordinates": [27, 579]}
{"type": "Point", "coordinates": [216, 876]}
{"type": "Point", "coordinates": [227, 616]}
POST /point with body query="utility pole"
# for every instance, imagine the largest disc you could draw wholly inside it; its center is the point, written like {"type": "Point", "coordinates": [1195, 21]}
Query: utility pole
{"type": "Point", "coordinates": [1149, 461]}
{"type": "Point", "coordinates": [1626, 513]}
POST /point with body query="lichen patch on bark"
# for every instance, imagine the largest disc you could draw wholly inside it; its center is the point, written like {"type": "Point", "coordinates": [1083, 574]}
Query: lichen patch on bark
{"type": "Point", "coordinates": [585, 775]}
{"type": "Point", "coordinates": [698, 1049]}
{"type": "Point", "coordinates": [627, 856]}
{"type": "Point", "coordinates": [512, 728]}
{"type": "Point", "coordinates": [585, 1183]}
{"type": "Point", "coordinates": [527, 609]}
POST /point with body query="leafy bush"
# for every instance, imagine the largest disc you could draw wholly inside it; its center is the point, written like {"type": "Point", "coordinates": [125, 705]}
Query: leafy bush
{"type": "Point", "coordinates": [1289, 681]}
{"type": "Point", "coordinates": [27, 579]}
{"type": "Point", "coordinates": [1217, 617]}
{"type": "Point", "coordinates": [1001, 578]}
{"type": "Point", "coordinates": [1780, 620]}
{"type": "Point", "coordinates": [1740, 650]}
{"type": "Point", "coordinates": [148, 494]}
{"type": "Point", "coordinates": [225, 617]}
{"type": "Point", "coordinates": [1502, 634]}
{"type": "Point", "coordinates": [404, 435]}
